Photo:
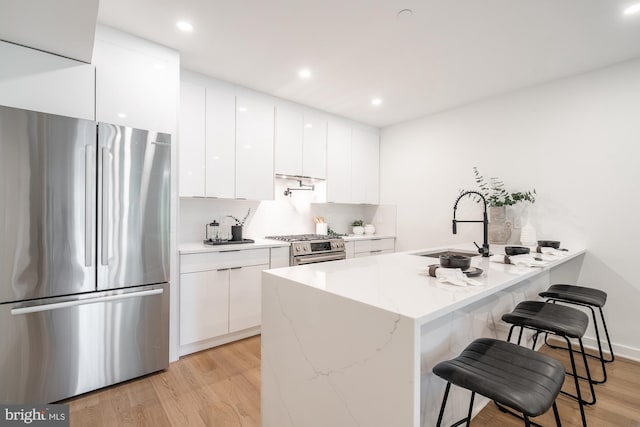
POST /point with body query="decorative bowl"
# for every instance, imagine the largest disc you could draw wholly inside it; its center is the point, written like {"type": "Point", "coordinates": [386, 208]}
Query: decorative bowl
{"type": "Point", "coordinates": [516, 250]}
{"type": "Point", "coordinates": [455, 261]}
{"type": "Point", "coordinates": [549, 244]}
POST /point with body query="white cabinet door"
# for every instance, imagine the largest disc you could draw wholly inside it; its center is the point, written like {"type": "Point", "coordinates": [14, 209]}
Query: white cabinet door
{"type": "Point", "coordinates": [288, 143]}
{"type": "Point", "coordinates": [254, 146]}
{"type": "Point", "coordinates": [38, 81]}
{"type": "Point", "coordinates": [339, 166]}
{"type": "Point", "coordinates": [314, 148]}
{"type": "Point", "coordinates": [349, 248]}
{"type": "Point", "coordinates": [137, 82]}
{"type": "Point", "coordinates": [364, 166]}
{"type": "Point", "coordinates": [279, 257]}
{"type": "Point", "coordinates": [220, 140]}
{"type": "Point", "coordinates": [204, 305]}
{"type": "Point", "coordinates": [245, 297]}
{"type": "Point", "coordinates": [191, 140]}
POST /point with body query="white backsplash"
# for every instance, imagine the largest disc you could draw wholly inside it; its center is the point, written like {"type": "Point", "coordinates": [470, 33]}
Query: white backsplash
{"type": "Point", "coordinates": [284, 215]}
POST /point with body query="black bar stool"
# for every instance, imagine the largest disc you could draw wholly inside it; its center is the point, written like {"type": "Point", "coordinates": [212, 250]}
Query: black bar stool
{"type": "Point", "coordinates": [563, 321]}
{"type": "Point", "coordinates": [590, 298]}
{"type": "Point", "coordinates": [511, 375]}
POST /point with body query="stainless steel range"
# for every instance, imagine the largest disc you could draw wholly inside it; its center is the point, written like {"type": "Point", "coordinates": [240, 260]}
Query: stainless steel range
{"type": "Point", "coordinates": [312, 248]}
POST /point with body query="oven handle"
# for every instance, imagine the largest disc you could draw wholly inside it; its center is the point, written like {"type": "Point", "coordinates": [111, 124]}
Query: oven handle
{"type": "Point", "coordinates": [310, 259]}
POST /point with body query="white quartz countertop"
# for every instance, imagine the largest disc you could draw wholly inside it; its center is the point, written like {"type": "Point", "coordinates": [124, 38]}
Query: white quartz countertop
{"type": "Point", "coordinates": [354, 237]}
{"type": "Point", "coordinates": [199, 247]}
{"type": "Point", "coordinates": [394, 282]}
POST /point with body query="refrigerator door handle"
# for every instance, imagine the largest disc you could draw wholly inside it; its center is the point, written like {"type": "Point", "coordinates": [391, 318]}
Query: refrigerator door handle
{"type": "Point", "coordinates": [88, 206]}
{"type": "Point", "coordinates": [105, 206]}
{"type": "Point", "coordinates": [73, 303]}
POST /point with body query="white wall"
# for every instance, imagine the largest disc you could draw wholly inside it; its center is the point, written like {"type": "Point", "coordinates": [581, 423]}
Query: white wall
{"type": "Point", "coordinates": [576, 141]}
{"type": "Point", "coordinates": [284, 215]}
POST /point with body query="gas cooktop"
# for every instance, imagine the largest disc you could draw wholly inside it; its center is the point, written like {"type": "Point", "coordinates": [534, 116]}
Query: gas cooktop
{"type": "Point", "coordinates": [302, 237]}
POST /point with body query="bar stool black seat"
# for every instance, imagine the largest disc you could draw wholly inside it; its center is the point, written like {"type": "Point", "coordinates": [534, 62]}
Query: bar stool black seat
{"type": "Point", "coordinates": [590, 298]}
{"type": "Point", "coordinates": [563, 321]}
{"type": "Point", "coordinates": [511, 375]}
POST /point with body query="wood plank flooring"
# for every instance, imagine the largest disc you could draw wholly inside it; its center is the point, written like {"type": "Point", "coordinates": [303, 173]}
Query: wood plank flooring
{"type": "Point", "coordinates": [220, 387]}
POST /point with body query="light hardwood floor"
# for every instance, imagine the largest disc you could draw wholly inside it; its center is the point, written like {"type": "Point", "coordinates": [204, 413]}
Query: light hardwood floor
{"type": "Point", "coordinates": [221, 387]}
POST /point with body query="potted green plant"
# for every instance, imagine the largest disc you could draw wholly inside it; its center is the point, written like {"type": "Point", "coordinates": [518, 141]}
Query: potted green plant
{"type": "Point", "coordinates": [236, 230]}
{"type": "Point", "coordinates": [498, 198]}
{"type": "Point", "coordinates": [358, 226]}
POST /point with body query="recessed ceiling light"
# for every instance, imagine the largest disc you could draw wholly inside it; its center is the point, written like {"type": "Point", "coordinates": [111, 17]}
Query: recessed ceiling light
{"type": "Point", "coordinates": [184, 26]}
{"type": "Point", "coordinates": [242, 109]}
{"type": "Point", "coordinates": [376, 101]}
{"type": "Point", "coordinates": [633, 9]}
{"type": "Point", "coordinates": [308, 125]}
{"type": "Point", "coordinates": [159, 67]}
{"type": "Point", "coordinates": [405, 13]}
{"type": "Point", "coordinates": [305, 73]}
{"type": "Point", "coordinates": [122, 115]}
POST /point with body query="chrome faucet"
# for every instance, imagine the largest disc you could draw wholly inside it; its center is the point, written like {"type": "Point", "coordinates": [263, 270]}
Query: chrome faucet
{"type": "Point", "coordinates": [484, 250]}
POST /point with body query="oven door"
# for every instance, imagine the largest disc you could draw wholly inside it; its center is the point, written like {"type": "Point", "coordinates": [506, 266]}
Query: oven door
{"type": "Point", "coordinates": [314, 258]}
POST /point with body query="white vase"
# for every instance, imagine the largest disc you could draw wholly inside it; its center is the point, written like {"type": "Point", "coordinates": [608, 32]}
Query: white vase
{"type": "Point", "coordinates": [358, 230]}
{"type": "Point", "coordinates": [528, 235]}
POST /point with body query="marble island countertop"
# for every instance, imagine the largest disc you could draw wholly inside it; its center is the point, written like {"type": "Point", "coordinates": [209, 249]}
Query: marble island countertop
{"type": "Point", "coordinates": [353, 342]}
{"type": "Point", "coordinates": [397, 282]}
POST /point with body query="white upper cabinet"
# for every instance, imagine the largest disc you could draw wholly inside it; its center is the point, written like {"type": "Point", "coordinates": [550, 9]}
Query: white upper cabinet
{"type": "Point", "coordinates": [314, 147]}
{"type": "Point", "coordinates": [191, 140]}
{"type": "Point", "coordinates": [339, 168]}
{"type": "Point", "coordinates": [254, 146]}
{"type": "Point", "coordinates": [301, 142]}
{"type": "Point", "coordinates": [38, 81]}
{"type": "Point", "coordinates": [353, 172]}
{"type": "Point", "coordinates": [220, 140]}
{"type": "Point", "coordinates": [365, 165]}
{"type": "Point", "coordinates": [137, 82]}
{"type": "Point", "coordinates": [288, 143]}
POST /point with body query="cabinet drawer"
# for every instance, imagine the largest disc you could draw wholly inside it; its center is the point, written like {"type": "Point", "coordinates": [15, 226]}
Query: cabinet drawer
{"type": "Point", "coordinates": [191, 263]}
{"type": "Point", "coordinates": [374, 245]}
{"type": "Point", "coordinates": [376, 252]}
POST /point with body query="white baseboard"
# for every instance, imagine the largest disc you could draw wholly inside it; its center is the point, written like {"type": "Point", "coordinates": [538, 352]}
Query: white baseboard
{"type": "Point", "coordinates": [620, 350]}
{"type": "Point", "coordinates": [214, 342]}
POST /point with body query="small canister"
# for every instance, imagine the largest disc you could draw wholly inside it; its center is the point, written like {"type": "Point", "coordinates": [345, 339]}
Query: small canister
{"type": "Point", "coordinates": [211, 231]}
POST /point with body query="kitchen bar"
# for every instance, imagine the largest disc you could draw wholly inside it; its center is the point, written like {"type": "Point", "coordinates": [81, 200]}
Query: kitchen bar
{"type": "Point", "coordinates": [353, 342]}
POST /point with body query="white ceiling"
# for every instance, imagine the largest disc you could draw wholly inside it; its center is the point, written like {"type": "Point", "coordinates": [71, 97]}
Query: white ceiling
{"type": "Point", "coordinates": [448, 53]}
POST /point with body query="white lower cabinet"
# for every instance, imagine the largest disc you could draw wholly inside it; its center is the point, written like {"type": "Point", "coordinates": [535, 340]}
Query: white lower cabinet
{"type": "Point", "coordinates": [220, 297]}
{"type": "Point", "coordinates": [204, 305]}
{"type": "Point", "coordinates": [375, 246]}
{"type": "Point", "coordinates": [245, 297]}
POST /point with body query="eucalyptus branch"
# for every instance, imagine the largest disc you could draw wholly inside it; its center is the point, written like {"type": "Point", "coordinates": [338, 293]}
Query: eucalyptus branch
{"type": "Point", "coordinates": [496, 195]}
{"type": "Point", "coordinates": [240, 222]}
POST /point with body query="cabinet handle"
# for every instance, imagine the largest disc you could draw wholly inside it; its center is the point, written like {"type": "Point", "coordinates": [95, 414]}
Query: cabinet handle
{"type": "Point", "coordinates": [235, 268]}
{"type": "Point", "coordinates": [376, 239]}
{"type": "Point", "coordinates": [377, 250]}
{"type": "Point", "coordinates": [223, 269]}
{"type": "Point", "coordinates": [232, 250]}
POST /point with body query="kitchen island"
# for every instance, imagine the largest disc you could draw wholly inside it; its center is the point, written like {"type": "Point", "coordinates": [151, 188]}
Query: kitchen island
{"type": "Point", "coordinates": [353, 342]}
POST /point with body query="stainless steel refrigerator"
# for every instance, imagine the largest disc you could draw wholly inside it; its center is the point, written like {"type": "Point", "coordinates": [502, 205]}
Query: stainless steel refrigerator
{"type": "Point", "coordinates": [84, 255]}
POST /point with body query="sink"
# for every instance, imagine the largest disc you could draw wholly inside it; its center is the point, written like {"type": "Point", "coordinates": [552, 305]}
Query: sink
{"type": "Point", "coordinates": [447, 252]}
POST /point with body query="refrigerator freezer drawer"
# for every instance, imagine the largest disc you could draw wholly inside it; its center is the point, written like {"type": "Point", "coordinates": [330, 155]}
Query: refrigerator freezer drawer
{"type": "Point", "coordinates": [57, 348]}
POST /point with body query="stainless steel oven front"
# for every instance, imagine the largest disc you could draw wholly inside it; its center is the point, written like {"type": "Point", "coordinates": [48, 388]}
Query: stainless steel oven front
{"type": "Point", "coordinates": [313, 251]}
